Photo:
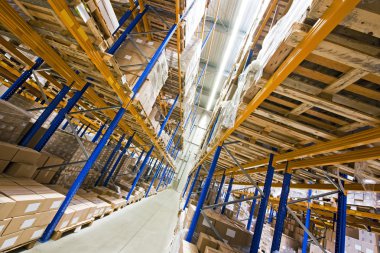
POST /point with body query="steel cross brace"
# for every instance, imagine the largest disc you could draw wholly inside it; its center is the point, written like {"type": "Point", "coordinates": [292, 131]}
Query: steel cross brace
{"type": "Point", "coordinates": [313, 197]}
{"type": "Point", "coordinates": [231, 202]}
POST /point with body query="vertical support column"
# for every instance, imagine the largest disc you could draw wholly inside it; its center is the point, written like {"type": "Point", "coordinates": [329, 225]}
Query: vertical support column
{"type": "Point", "coordinates": [85, 130]}
{"type": "Point", "coordinates": [80, 129]}
{"type": "Point", "coordinates": [22, 79]}
{"type": "Point", "coordinates": [65, 125]}
{"type": "Point", "coordinates": [175, 146]}
{"type": "Point", "coordinates": [229, 189]}
{"type": "Point", "coordinates": [213, 128]}
{"type": "Point", "coordinates": [186, 185]}
{"type": "Point", "coordinates": [154, 177]}
{"type": "Point", "coordinates": [138, 160]}
{"type": "Point", "coordinates": [340, 235]}
{"type": "Point", "coordinates": [281, 213]}
{"type": "Point", "coordinates": [192, 187]}
{"type": "Point", "coordinates": [238, 211]}
{"type": "Point", "coordinates": [167, 116]}
{"type": "Point", "coordinates": [126, 147]}
{"type": "Point", "coordinates": [263, 207]}
{"type": "Point", "coordinates": [220, 189]}
{"type": "Point", "coordinates": [203, 195]}
{"type": "Point", "coordinates": [252, 211]}
{"type": "Point", "coordinates": [82, 175]}
{"type": "Point", "coordinates": [270, 216]}
{"type": "Point", "coordinates": [139, 173]}
{"type": "Point", "coordinates": [151, 169]}
{"type": "Point", "coordinates": [44, 116]}
{"type": "Point", "coordinates": [109, 160]}
{"type": "Point", "coordinates": [98, 133]}
{"type": "Point", "coordinates": [307, 223]}
{"type": "Point", "coordinates": [162, 177]}
{"type": "Point", "coordinates": [168, 175]}
{"type": "Point", "coordinates": [60, 117]}
{"type": "Point", "coordinates": [172, 137]}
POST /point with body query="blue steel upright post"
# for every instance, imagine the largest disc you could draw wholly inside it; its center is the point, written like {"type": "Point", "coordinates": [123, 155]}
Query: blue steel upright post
{"type": "Point", "coordinates": [162, 177]}
{"type": "Point", "coordinates": [22, 79]}
{"type": "Point", "coordinates": [154, 177]}
{"type": "Point", "coordinates": [341, 222]}
{"type": "Point", "coordinates": [229, 189]}
{"type": "Point", "coordinates": [220, 189]}
{"type": "Point", "coordinates": [98, 133]}
{"type": "Point", "coordinates": [172, 137]}
{"type": "Point", "coordinates": [203, 195]}
{"type": "Point", "coordinates": [109, 160]}
{"type": "Point", "coordinates": [263, 207]}
{"type": "Point", "coordinates": [122, 153]}
{"type": "Point", "coordinates": [60, 117]}
{"type": "Point", "coordinates": [82, 175]}
{"type": "Point", "coordinates": [307, 223]}
{"type": "Point", "coordinates": [238, 211]}
{"type": "Point", "coordinates": [192, 187]}
{"type": "Point", "coordinates": [140, 172]}
{"type": "Point", "coordinates": [186, 185]}
{"type": "Point", "coordinates": [84, 131]}
{"type": "Point", "coordinates": [252, 210]}
{"type": "Point", "coordinates": [138, 160]}
{"type": "Point", "coordinates": [44, 116]}
{"type": "Point", "coordinates": [270, 216]}
{"type": "Point", "coordinates": [281, 213]}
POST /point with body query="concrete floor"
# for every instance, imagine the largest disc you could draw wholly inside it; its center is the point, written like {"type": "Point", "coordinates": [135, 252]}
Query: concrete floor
{"type": "Point", "coordinates": [146, 226]}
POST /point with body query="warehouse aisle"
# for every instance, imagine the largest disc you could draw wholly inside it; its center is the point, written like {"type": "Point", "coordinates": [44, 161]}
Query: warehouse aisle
{"type": "Point", "coordinates": [146, 226]}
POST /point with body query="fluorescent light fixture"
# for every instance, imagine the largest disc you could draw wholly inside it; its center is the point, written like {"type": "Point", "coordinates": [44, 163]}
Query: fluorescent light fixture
{"type": "Point", "coordinates": [227, 52]}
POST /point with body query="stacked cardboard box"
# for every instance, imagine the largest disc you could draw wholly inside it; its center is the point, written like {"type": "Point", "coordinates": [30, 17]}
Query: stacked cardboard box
{"type": "Point", "coordinates": [187, 247]}
{"type": "Point", "coordinates": [288, 243]}
{"type": "Point", "coordinates": [13, 121]}
{"type": "Point", "coordinates": [45, 175]}
{"type": "Point", "coordinates": [115, 199]}
{"type": "Point", "coordinates": [26, 208]}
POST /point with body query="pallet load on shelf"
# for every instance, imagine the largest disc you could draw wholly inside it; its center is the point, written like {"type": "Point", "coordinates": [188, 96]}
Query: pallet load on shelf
{"type": "Point", "coordinates": [116, 199]}
{"type": "Point", "coordinates": [26, 208]}
{"type": "Point", "coordinates": [102, 207]}
{"type": "Point", "coordinates": [13, 121]}
{"type": "Point", "coordinates": [288, 244]}
{"type": "Point", "coordinates": [132, 58]}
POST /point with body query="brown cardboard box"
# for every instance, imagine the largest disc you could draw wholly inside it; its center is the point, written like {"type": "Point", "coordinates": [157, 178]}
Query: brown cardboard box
{"type": "Point", "coordinates": [6, 206]}
{"type": "Point", "coordinates": [45, 218]}
{"type": "Point", "coordinates": [224, 247]}
{"type": "Point", "coordinates": [20, 223]}
{"type": "Point", "coordinates": [65, 220]}
{"type": "Point", "coordinates": [53, 199]}
{"type": "Point", "coordinates": [26, 155]}
{"type": "Point", "coordinates": [24, 181]}
{"type": "Point", "coordinates": [21, 170]}
{"type": "Point", "coordinates": [3, 165]}
{"type": "Point", "coordinates": [27, 202]}
{"type": "Point", "coordinates": [7, 151]}
{"type": "Point", "coordinates": [53, 160]}
{"type": "Point", "coordinates": [9, 241]}
{"type": "Point", "coordinates": [43, 159]}
{"type": "Point", "coordinates": [45, 176]}
{"type": "Point", "coordinates": [4, 224]}
{"type": "Point", "coordinates": [31, 234]}
{"type": "Point", "coordinates": [211, 250]}
{"type": "Point", "coordinates": [205, 240]}
{"type": "Point", "coordinates": [81, 212]}
{"type": "Point", "coordinates": [187, 247]}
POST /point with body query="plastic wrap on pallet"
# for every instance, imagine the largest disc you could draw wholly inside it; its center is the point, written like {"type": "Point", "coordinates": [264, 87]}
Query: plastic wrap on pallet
{"type": "Point", "coordinates": [193, 19]}
{"type": "Point", "coordinates": [279, 32]}
{"type": "Point", "coordinates": [108, 14]}
{"type": "Point", "coordinates": [151, 88]}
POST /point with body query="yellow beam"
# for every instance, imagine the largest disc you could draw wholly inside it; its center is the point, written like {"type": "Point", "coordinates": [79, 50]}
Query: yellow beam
{"type": "Point", "coordinates": [338, 10]}
{"type": "Point", "coordinates": [327, 187]}
{"type": "Point", "coordinates": [349, 141]}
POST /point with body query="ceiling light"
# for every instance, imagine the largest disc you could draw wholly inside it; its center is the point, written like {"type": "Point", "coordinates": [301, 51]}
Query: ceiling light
{"type": "Point", "coordinates": [227, 51]}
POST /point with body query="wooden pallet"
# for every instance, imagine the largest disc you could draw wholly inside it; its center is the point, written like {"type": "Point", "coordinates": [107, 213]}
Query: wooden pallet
{"type": "Point", "coordinates": [73, 229]}
{"type": "Point", "coordinates": [27, 245]}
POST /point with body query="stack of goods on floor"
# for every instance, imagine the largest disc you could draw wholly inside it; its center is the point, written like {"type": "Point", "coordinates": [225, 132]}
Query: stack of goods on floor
{"type": "Point", "coordinates": [357, 241]}
{"type": "Point", "coordinates": [26, 208]}
{"type": "Point", "coordinates": [206, 244]}
{"type": "Point", "coordinates": [115, 198]}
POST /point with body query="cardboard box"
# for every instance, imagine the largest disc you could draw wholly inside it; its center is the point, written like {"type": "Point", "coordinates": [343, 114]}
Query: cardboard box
{"type": "Point", "coordinates": [3, 165]}
{"type": "Point", "coordinates": [20, 223]}
{"type": "Point", "coordinates": [81, 212]}
{"type": "Point", "coordinates": [31, 234]}
{"type": "Point", "coordinates": [53, 160]}
{"type": "Point", "coordinates": [7, 151]}
{"type": "Point", "coordinates": [6, 206]}
{"type": "Point", "coordinates": [45, 176]}
{"type": "Point", "coordinates": [205, 240]}
{"type": "Point", "coordinates": [211, 250]}
{"type": "Point", "coordinates": [21, 170]}
{"type": "Point", "coordinates": [26, 155]}
{"type": "Point", "coordinates": [27, 202]}
{"type": "Point", "coordinates": [53, 199]}
{"type": "Point", "coordinates": [224, 247]}
{"type": "Point", "coordinates": [45, 218]}
{"type": "Point", "coordinates": [9, 241]}
{"type": "Point", "coordinates": [187, 247]}
{"type": "Point", "coordinates": [44, 156]}
{"type": "Point", "coordinates": [4, 224]}
{"type": "Point", "coordinates": [65, 220]}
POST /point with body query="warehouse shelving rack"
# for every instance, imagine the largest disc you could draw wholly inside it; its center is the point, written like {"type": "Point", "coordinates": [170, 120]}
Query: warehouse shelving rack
{"type": "Point", "coordinates": [277, 162]}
